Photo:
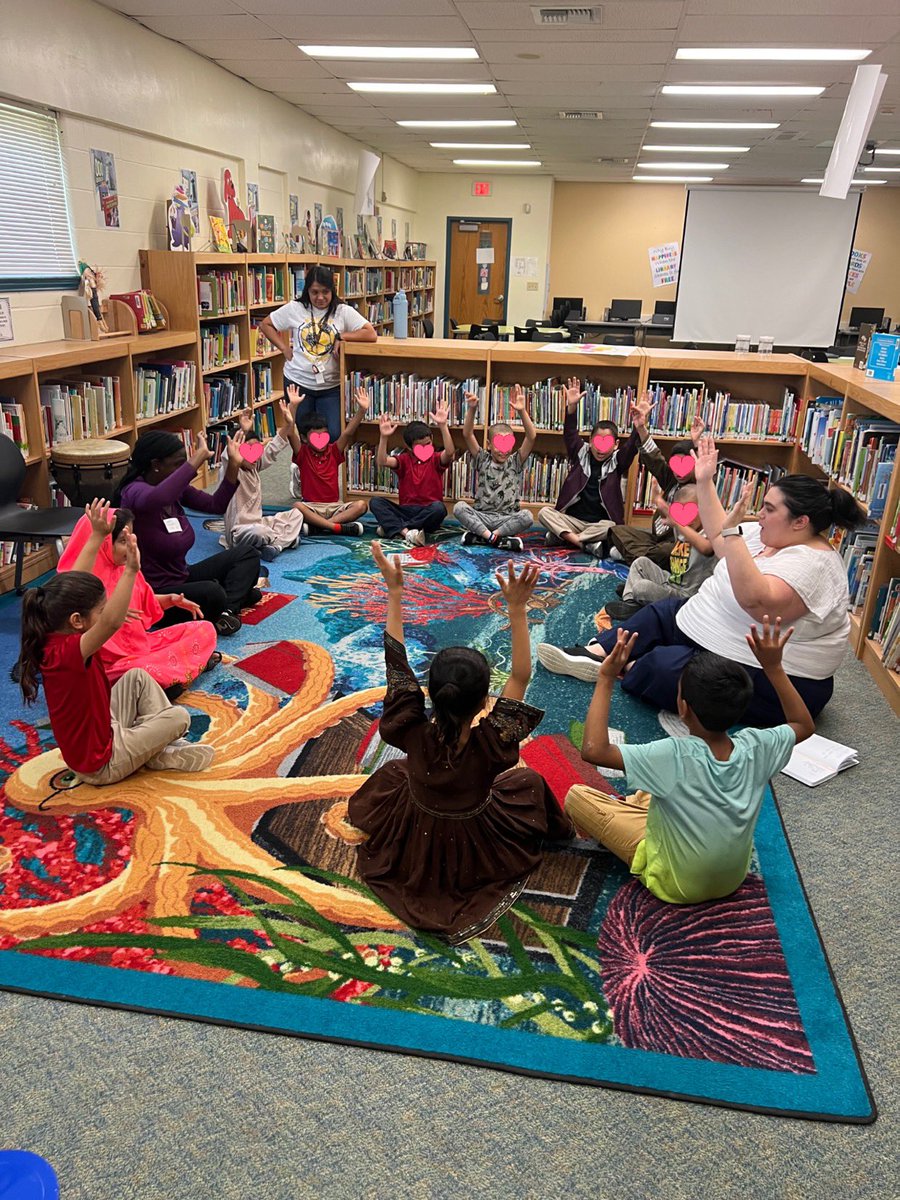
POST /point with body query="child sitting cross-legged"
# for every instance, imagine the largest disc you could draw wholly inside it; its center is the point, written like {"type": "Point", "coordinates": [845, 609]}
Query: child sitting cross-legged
{"type": "Point", "coordinates": [104, 732]}
{"type": "Point", "coordinates": [245, 524]}
{"type": "Point", "coordinates": [315, 478]}
{"type": "Point", "coordinates": [452, 832]}
{"type": "Point", "coordinates": [496, 517]}
{"type": "Point", "coordinates": [420, 472]}
{"type": "Point", "coordinates": [687, 833]}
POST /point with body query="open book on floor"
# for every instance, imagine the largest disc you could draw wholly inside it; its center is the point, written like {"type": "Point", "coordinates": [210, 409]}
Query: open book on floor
{"type": "Point", "coordinates": [819, 759]}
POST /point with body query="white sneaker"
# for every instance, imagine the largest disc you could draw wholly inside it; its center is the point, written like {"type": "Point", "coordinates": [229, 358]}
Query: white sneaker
{"type": "Point", "coordinates": [295, 482]}
{"type": "Point", "coordinates": [575, 661]}
{"type": "Point", "coordinates": [415, 537]}
{"type": "Point", "coordinates": [182, 756]}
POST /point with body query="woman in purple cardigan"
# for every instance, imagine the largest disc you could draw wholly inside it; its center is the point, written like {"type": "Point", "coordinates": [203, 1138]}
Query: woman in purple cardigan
{"type": "Point", "coordinates": [155, 487]}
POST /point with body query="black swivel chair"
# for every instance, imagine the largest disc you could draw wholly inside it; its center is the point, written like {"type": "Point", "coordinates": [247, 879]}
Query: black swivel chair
{"type": "Point", "coordinates": [547, 337]}
{"type": "Point", "coordinates": [531, 322]}
{"type": "Point", "coordinates": [453, 324]}
{"type": "Point", "coordinates": [428, 327]}
{"type": "Point", "coordinates": [21, 525]}
{"type": "Point", "coordinates": [523, 333]}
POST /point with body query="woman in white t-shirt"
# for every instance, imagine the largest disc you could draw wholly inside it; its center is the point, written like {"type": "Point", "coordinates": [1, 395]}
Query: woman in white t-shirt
{"type": "Point", "coordinates": [783, 567]}
{"type": "Point", "coordinates": [308, 332]}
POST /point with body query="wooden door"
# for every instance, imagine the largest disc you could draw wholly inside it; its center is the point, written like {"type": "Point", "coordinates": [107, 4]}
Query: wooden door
{"type": "Point", "coordinates": [476, 291]}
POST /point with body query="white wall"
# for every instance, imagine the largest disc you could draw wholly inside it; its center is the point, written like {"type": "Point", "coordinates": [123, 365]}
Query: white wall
{"type": "Point", "coordinates": [159, 107]}
{"type": "Point", "coordinates": [445, 195]}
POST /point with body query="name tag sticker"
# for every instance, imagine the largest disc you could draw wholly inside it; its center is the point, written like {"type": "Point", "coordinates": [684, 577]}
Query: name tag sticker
{"type": "Point", "coordinates": [172, 524]}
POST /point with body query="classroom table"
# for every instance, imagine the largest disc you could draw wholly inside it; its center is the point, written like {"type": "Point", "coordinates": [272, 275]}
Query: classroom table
{"type": "Point", "coordinates": [507, 331]}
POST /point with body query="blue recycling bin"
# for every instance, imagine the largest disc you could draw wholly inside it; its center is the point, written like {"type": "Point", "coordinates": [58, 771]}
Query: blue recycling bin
{"type": "Point", "coordinates": [26, 1176]}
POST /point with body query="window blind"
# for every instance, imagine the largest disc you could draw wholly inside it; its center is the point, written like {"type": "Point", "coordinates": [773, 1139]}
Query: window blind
{"type": "Point", "coordinates": [37, 250]}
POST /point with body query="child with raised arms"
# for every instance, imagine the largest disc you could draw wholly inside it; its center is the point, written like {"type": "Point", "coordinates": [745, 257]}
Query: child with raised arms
{"type": "Point", "coordinates": [496, 518]}
{"type": "Point", "coordinates": [315, 470]}
{"type": "Point", "coordinates": [104, 732]}
{"type": "Point", "coordinates": [420, 473]}
{"type": "Point", "coordinates": [452, 831]}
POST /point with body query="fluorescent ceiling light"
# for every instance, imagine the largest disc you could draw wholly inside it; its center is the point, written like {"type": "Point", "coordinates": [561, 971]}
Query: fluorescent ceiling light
{"type": "Point", "coordinates": [714, 125]}
{"type": "Point", "coordinates": [481, 145]}
{"type": "Point", "coordinates": [697, 149]}
{"type": "Point", "coordinates": [425, 89]}
{"type": "Point", "coordinates": [414, 53]}
{"type": "Point", "coordinates": [672, 178]}
{"type": "Point", "coordinates": [496, 162]}
{"type": "Point", "coordinates": [767, 54]}
{"type": "Point", "coordinates": [682, 166]}
{"type": "Point", "coordinates": [858, 182]}
{"type": "Point", "coordinates": [881, 170]}
{"type": "Point", "coordinates": [887, 151]}
{"type": "Point", "coordinates": [738, 89]}
{"type": "Point", "coordinates": [492, 124]}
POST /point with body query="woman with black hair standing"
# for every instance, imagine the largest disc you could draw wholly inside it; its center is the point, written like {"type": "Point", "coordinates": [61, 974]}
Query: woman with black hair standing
{"type": "Point", "coordinates": [156, 486]}
{"type": "Point", "coordinates": [308, 332]}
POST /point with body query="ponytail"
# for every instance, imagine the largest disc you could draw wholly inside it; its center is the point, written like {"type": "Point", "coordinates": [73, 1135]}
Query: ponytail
{"type": "Point", "coordinates": [807, 497]}
{"type": "Point", "coordinates": [458, 683]}
{"type": "Point", "coordinates": [46, 610]}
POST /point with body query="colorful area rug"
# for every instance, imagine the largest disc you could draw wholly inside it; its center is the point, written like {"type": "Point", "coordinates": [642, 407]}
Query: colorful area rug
{"type": "Point", "coordinates": [231, 896]}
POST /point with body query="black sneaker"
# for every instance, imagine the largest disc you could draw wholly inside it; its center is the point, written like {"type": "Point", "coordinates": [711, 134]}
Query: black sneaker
{"type": "Point", "coordinates": [511, 543]}
{"type": "Point", "coordinates": [469, 539]}
{"type": "Point", "coordinates": [228, 624]}
{"type": "Point", "coordinates": [620, 589]}
{"type": "Point", "coordinates": [352, 529]}
{"type": "Point", "coordinates": [621, 610]}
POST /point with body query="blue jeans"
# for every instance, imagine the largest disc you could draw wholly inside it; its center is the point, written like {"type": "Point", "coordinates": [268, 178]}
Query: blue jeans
{"type": "Point", "coordinates": [325, 403]}
{"type": "Point", "coordinates": [395, 517]}
{"type": "Point", "coordinates": [662, 651]}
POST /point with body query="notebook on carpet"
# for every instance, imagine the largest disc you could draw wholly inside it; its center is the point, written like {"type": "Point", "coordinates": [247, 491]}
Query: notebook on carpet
{"type": "Point", "coordinates": [819, 759]}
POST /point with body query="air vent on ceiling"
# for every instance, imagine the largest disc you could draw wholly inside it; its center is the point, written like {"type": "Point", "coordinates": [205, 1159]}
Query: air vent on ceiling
{"type": "Point", "coordinates": [578, 114]}
{"type": "Point", "coordinates": [565, 15]}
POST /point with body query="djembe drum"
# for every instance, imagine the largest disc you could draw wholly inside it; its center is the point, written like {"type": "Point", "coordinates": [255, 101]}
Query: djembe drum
{"type": "Point", "coordinates": [89, 469]}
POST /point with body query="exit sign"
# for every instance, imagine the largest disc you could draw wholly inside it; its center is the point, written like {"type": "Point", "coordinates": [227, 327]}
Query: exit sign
{"type": "Point", "coordinates": [481, 188]}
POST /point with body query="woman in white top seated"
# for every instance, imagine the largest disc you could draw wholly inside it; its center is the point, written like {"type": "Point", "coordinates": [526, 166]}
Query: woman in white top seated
{"type": "Point", "coordinates": [783, 566]}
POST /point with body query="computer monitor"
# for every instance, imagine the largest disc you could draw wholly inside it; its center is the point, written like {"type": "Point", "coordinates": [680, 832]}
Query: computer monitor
{"type": "Point", "coordinates": [625, 310]}
{"type": "Point", "coordinates": [866, 316]}
{"type": "Point", "coordinates": [664, 308]}
{"type": "Point", "coordinates": [568, 306]}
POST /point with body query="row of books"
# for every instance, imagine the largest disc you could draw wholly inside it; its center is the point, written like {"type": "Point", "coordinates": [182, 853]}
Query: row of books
{"type": "Point", "coordinates": [821, 431]}
{"type": "Point", "coordinates": [225, 394]}
{"type": "Point", "coordinates": [676, 405]}
{"type": "Point", "coordinates": [363, 475]}
{"type": "Point", "coordinates": [407, 396]}
{"type": "Point", "coordinates": [298, 281]}
{"type": "Point", "coordinates": [408, 278]}
{"type": "Point", "coordinates": [885, 627]}
{"type": "Point", "coordinates": [12, 424]}
{"type": "Point", "coordinates": [374, 279]}
{"type": "Point", "coordinates": [8, 551]}
{"type": "Point", "coordinates": [354, 282]}
{"type": "Point", "coordinates": [259, 343]}
{"type": "Point", "coordinates": [730, 482]}
{"type": "Point", "coordinates": [892, 531]}
{"type": "Point", "coordinates": [220, 291]}
{"type": "Point", "coordinates": [80, 408]}
{"type": "Point", "coordinates": [219, 344]}
{"type": "Point", "coordinates": [262, 380]}
{"type": "Point", "coordinates": [858, 553]}
{"type": "Point", "coordinates": [380, 311]}
{"type": "Point", "coordinates": [266, 285]}
{"type": "Point", "coordinates": [865, 452]}
{"type": "Point", "coordinates": [147, 312]}
{"type": "Point", "coordinates": [546, 401]}
{"type": "Point", "coordinates": [421, 303]}
{"type": "Point", "coordinates": [164, 387]}
{"type": "Point", "coordinates": [264, 422]}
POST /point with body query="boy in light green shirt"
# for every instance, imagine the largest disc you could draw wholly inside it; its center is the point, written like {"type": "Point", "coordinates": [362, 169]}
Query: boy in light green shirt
{"type": "Point", "coordinates": [687, 833]}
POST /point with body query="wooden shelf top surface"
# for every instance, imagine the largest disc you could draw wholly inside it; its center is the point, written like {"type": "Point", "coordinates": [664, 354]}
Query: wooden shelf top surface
{"type": "Point", "coordinates": [434, 348]}
{"type": "Point", "coordinates": [664, 358]}
{"type": "Point", "coordinates": [148, 342]}
{"type": "Point", "coordinates": [50, 356]}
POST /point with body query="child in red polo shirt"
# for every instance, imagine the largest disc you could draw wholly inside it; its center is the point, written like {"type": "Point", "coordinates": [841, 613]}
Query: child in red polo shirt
{"type": "Point", "coordinates": [104, 732]}
{"type": "Point", "coordinates": [420, 473]}
{"type": "Point", "coordinates": [315, 470]}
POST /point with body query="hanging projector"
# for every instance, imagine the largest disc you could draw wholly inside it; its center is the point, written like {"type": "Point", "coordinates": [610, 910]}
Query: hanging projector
{"type": "Point", "coordinates": [859, 113]}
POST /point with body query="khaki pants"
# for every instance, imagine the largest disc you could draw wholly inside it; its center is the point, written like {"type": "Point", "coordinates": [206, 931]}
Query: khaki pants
{"type": "Point", "coordinates": [143, 723]}
{"type": "Point", "coordinates": [619, 825]}
{"type": "Point", "coordinates": [588, 532]}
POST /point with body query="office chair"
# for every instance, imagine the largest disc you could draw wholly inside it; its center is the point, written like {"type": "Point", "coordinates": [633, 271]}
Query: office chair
{"type": "Point", "coordinates": [619, 339]}
{"type": "Point", "coordinates": [524, 333]}
{"type": "Point", "coordinates": [493, 328]}
{"type": "Point", "coordinates": [475, 331]}
{"type": "Point", "coordinates": [531, 322]}
{"type": "Point", "coordinates": [453, 324]}
{"type": "Point", "coordinates": [428, 327]}
{"type": "Point", "coordinates": [547, 337]}
{"type": "Point", "coordinates": [814, 355]}
{"type": "Point", "coordinates": [21, 525]}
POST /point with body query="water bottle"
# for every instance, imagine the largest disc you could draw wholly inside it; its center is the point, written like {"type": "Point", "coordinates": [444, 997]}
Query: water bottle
{"type": "Point", "coordinates": [401, 315]}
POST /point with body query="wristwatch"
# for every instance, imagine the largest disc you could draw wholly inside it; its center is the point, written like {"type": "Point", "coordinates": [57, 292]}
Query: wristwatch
{"type": "Point", "coordinates": [732, 531]}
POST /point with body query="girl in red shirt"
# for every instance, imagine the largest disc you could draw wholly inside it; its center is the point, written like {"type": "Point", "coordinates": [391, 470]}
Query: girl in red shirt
{"type": "Point", "coordinates": [104, 732]}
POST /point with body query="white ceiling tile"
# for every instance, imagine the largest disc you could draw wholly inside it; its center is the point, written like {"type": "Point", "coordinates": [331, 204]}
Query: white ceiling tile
{"type": "Point", "coordinates": [508, 73]}
{"type": "Point", "coordinates": [271, 48]}
{"type": "Point", "coordinates": [393, 30]}
{"type": "Point", "coordinates": [789, 30]}
{"type": "Point", "coordinates": [579, 53]}
{"type": "Point", "coordinates": [165, 8]}
{"type": "Point", "coordinates": [347, 8]}
{"type": "Point", "coordinates": [797, 8]}
{"type": "Point", "coordinates": [635, 14]}
{"type": "Point", "coordinates": [181, 28]}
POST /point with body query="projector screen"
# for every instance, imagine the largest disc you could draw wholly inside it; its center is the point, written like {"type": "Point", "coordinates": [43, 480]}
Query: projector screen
{"type": "Point", "coordinates": [768, 262]}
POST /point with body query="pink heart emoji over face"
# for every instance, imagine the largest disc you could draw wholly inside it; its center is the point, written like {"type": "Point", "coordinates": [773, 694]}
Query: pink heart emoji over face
{"type": "Point", "coordinates": [683, 514]}
{"type": "Point", "coordinates": [252, 452]}
{"type": "Point", "coordinates": [603, 442]}
{"type": "Point", "coordinates": [319, 438]}
{"type": "Point", "coordinates": [682, 465]}
{"type": "Point", "coordinates": [504, 442]}
{"type": "Point", "coordinates": [423, 453]}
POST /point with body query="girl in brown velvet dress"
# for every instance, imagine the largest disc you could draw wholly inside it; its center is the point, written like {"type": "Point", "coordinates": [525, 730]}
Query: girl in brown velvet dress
{"type": "Point", "coordinates": [454, 830]}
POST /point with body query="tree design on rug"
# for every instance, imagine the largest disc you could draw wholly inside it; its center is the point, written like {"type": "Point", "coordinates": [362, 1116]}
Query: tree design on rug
{"type": "Point", "coordinates": [206, 817]}
{"type": "Point", "coordinates": [705, 981]}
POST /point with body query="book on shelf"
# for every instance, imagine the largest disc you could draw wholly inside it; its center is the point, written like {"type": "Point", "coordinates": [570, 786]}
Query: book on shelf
{"type": "Point", "coordinates": [164, 387]}
{"type": "Point", "coordinates": [259, 343]}
{"type": "Point", "coordinates": [264, 422]}
{"type": "Point", "coordinates": [363, 475]}
{"type": "Point", "coordinates": [885, 608]}
{"type": "Point", "coordinates": [676, 405]}
{"type": "Point", "coordinates": [147, 312]}
{"type": "Point", "coordinates": [408, 396]}
{"type": "Point", "coordinates": [890, 637]}
{"type": "Point", "coordinates": [262, 380]}
{"type": "Point", "coordinates": [8, 551]}
{"type": "Point", "coordinates": [220, 291]}
{"type": "Point", "coordinates": [546, 402]}
{"type": "Point", "coordinates": [867, 444]}
{"type": "Point", "coordinates": [12, 424]}
{"type": "Point", "coordinates": [542, 477]}
{"type": "Point", "coordinates": [80, 408]}
{"type": "Point", "coordinates": [731, 478]}
{"type": "Point", "coordinates": [858, 554]}
{"type": "Point", "coordinates": [225, 395]}
{"type": "Point", "coordinates": [821, 429]}
{"type": "Point", "coordinates": [266, 284]}
{"type": "Point", "coordinates": [219, 344]}
{"type": "Point", "coordinates": [819, 759]}
{"type": "Point", "coordinates": [298, 281]}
